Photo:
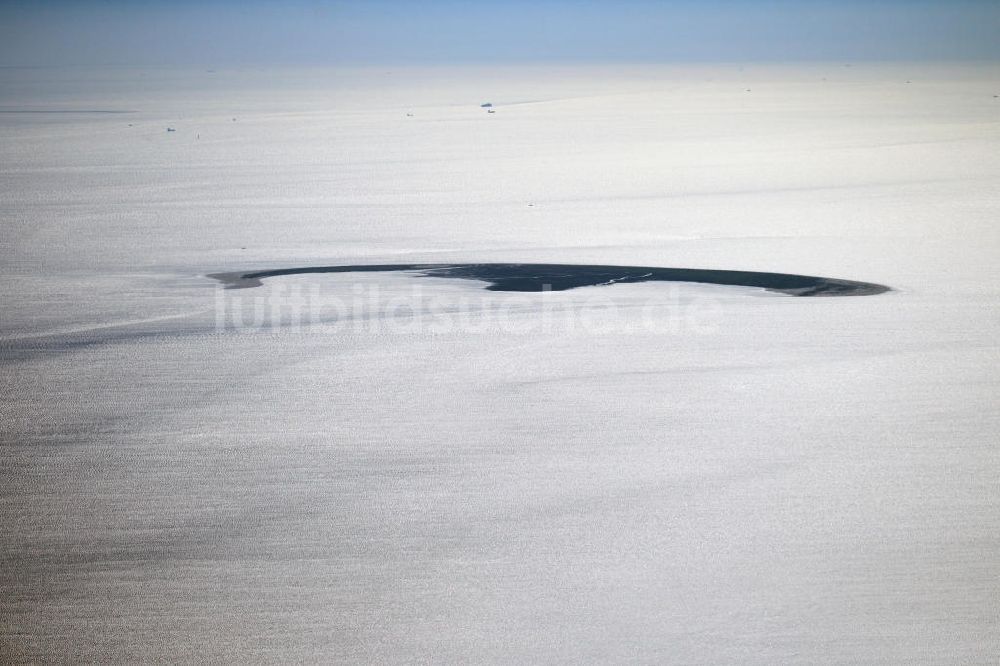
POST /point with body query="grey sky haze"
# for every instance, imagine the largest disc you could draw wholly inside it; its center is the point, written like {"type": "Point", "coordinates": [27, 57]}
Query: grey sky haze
{"type": "Point", "coordinates": [383, 31]}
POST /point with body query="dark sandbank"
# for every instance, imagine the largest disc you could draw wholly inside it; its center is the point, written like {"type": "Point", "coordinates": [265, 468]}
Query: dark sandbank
{"type": "Point", "coordinates": [560, 277]}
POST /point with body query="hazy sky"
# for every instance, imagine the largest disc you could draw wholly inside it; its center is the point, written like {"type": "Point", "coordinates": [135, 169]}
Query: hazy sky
{"type": "Point", "coordinates": [151, 32]}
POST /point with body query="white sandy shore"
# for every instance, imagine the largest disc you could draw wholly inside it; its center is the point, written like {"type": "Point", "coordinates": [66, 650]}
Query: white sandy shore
{"type": "Point", "coordinates": [773, 480]}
